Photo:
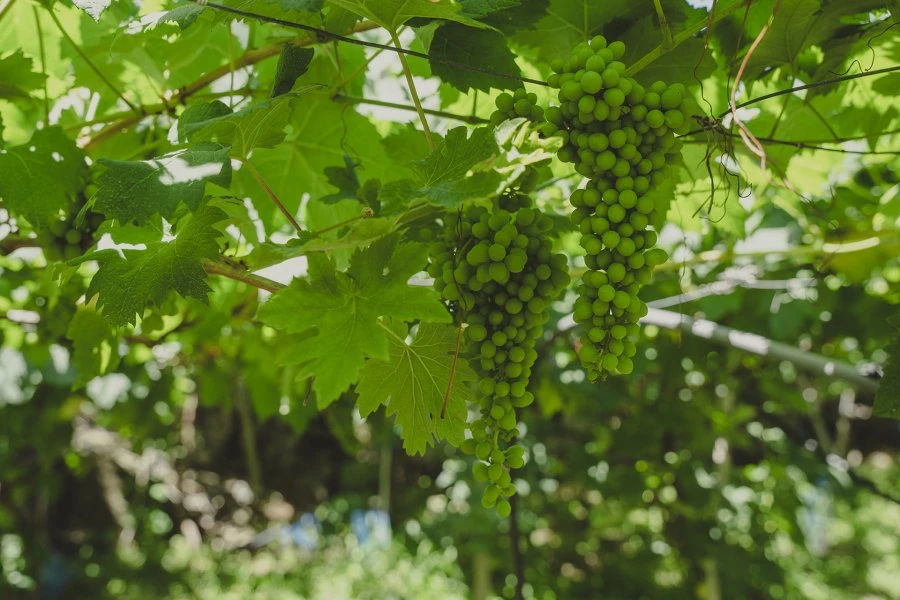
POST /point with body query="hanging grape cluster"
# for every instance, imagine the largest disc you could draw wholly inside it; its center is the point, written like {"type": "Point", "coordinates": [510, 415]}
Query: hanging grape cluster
{"type": "Point", "coordinates": [518, 104]}
{"type": "Point", "coordinates": [497, 270]}
{"type": "Point", "coordinates": [621, 136]}
{"type": "Point", "coordinates": [67, 237]}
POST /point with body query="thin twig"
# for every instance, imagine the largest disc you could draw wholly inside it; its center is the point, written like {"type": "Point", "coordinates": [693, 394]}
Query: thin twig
{"type": "Point", "coordinates": [90, 63]}
{"type": "Point", "coordinates": [474, 120]}
{"type": "Point", "coordinates": [749, 139]}
{"type": "Point", "coordinates": [340, 224]}
{"type": "Point", "coordinates": [809, 86]}
{"type": "Point", "coordinates": [271, 194]}
{"type": "Point", "coordinates": [668, 42]}
{"type": "Point", "coordinates": [238, 273]}
{"type": "Point", "coordinates": [412, 90]}
{"type": "Point", "coordinates": [806, 146]}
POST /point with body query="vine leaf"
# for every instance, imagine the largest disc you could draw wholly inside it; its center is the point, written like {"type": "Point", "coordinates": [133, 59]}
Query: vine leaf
{"type": "Point", "coordinates": [887, 398]}
{"type": "Point", "coordinates": [129, 281]}
{"type": "Point", "coordinates": [261, 125]}
{"type": "Point", "coordinates": [444, 177]}
{"type": "Point", "coordinates": [345, 309]}
{"type": "Point", "coordinates": [39, 179]}
{"type": "Point", "coordinates": [462, 45]}
{"type": "Point", "coordinates": [137, 190]}
{"type": "Point", "coordinates": [95, 345]}
{"type": "Point", "coordinates": [391, 14]}
{"type": "Point", "coordinates": [17, 79]}
{"type": "Point", "coordinates": [412, 383]}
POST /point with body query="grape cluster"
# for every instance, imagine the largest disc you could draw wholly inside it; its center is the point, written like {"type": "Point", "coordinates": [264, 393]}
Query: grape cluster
{"type": "Point", "coordinates": [497, 270]}
{"type": "Point", "coordinates": [517, 104]}
{"type": "Point", "coordinates": [621, 136]}
{"type": "Point", "coordinates": [64, 239]}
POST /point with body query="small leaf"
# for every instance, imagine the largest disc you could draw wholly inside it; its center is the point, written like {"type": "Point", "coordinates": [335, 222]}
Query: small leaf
{"type": "Point", "coordinates": [293, 62]}
{"type": "Point", "coordinates": [137, 190]}
{"type": "Point", "coordinates": [413, 381]}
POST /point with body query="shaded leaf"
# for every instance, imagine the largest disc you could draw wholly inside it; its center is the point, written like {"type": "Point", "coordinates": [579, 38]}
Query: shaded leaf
{"type": "Point", "coordinates": [17, 77]}
{"type": "Point", "coordinates": [472, 48]}
{"type": "Point", "coordinates": [95, 345]}
{"type": "Point", "coordinates": [137, 190]}
{"type": "Point", "coordinates": [39, 179]}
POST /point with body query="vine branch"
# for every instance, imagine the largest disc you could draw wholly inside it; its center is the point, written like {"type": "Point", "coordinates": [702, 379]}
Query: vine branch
{"type": "Point", "coordinates": [471, 119]}
{"type": "Point", "coordinates": [239, 273]}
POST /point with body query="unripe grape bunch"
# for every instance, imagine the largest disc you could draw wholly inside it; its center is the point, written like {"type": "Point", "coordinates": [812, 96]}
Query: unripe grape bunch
{"type": "Point", "coordinates": [621, 136]}
{"type": "Point", "coordinates": [518, 104]}
{"type": "Point", "coordinates": [68, 237]}
{"type": "Point", "coordinates": [496, 269]}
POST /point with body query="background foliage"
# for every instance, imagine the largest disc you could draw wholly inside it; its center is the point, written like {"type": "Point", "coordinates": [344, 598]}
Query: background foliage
{"type": "Point", "coordinates": [210, 258]}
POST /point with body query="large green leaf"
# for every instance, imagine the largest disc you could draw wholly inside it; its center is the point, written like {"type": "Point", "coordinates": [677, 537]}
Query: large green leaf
{"type": "Point", "coordinates": [129, 281]}
{"type": "Point", "coordinates": [137, 190]}
{"type": "Point", "coordinates": [346, 308]}
{"type": "Point", "coordinates": [413, 383]}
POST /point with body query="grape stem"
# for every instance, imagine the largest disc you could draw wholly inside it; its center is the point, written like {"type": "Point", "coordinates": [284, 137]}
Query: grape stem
{"type": "Point", "coordinates": [412, 90]}
{"type": "Point", "coordinates": [271, 194]}
{"type": "Point", "coordinates": [668, 42]}
{"type": "Point", "coordinates": [473, 119]}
